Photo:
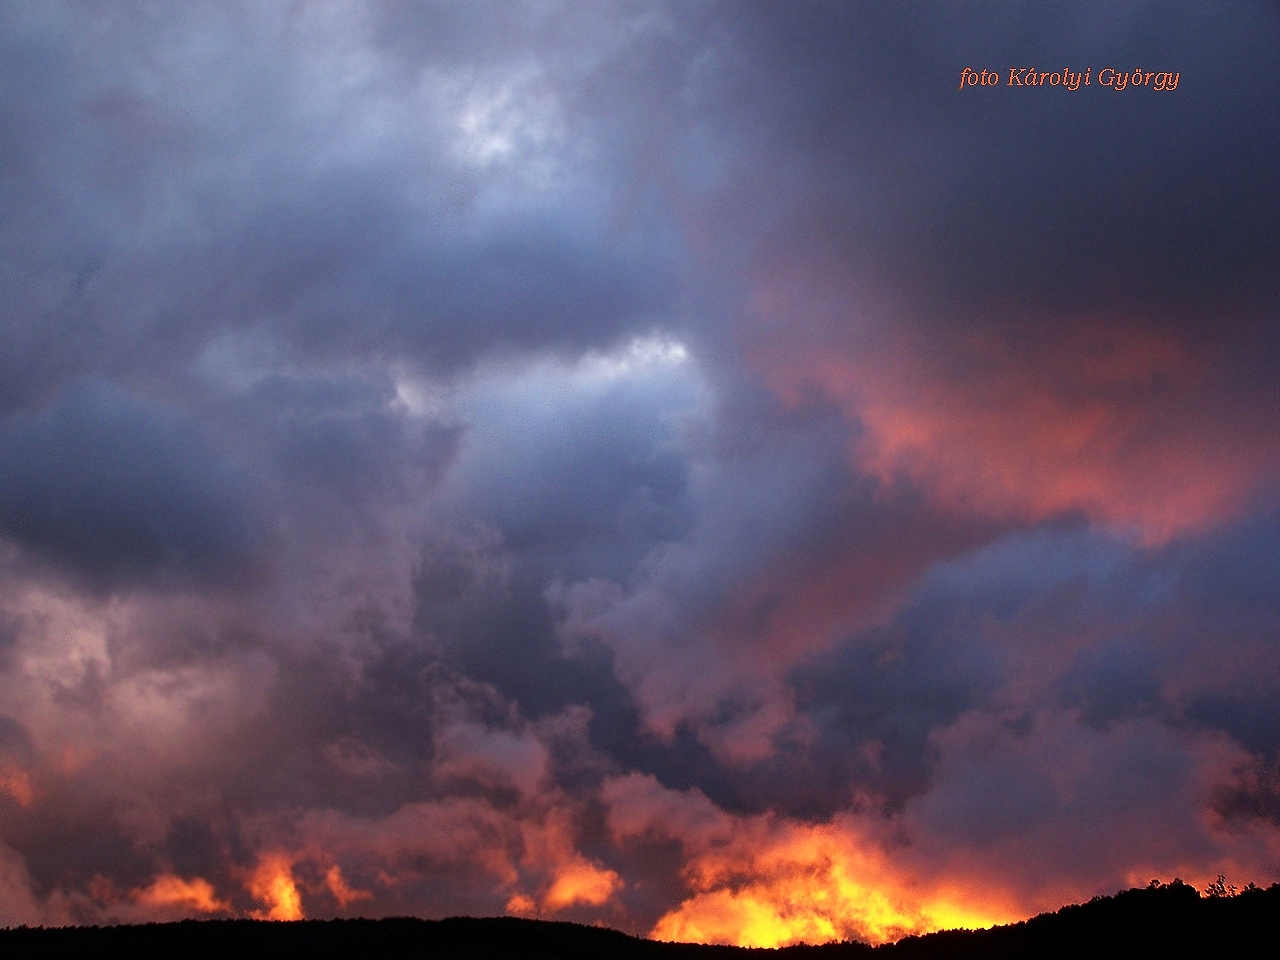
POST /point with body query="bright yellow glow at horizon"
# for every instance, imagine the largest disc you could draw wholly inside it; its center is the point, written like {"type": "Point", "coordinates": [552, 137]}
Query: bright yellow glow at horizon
{"type": "Point", "coordinates": [272, 883]}
{"type": "Point", "coordinates": [814, 884]}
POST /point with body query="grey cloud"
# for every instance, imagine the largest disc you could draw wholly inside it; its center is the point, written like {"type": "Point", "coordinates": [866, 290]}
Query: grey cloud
{"type": "Point", "coordinates": [1047, 623]}
{"type": "Point", "coordinates": [1015, 202]}
{"type": "Point", "coordinates": [151, 210]}
{"type": "Point", "coordinates": [583, 470]}
{"type": "Point", "coordinates": [1254, 796]}
{"type": "Point", "coordinates": [112, 488]}
{"type": "Point", "coordinates": [1113, 683]}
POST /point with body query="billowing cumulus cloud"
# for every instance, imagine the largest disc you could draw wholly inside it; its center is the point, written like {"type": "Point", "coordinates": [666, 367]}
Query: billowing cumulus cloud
{"type": "Point", "coordinates": [686, 467]}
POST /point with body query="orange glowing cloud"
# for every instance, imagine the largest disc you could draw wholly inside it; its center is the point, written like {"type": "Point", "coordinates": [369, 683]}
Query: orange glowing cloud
{"type": "Point", "coordinates": [526, 854]}
{"type": "Point", "coordinates": [342, 892]}
{"type": "Point", "coordinates": [768, 881]}
{"type": "Point", "coordinates": [1123, 422]}
{"type": "Point", "coordinates": [580, 881]}
{"type": "Point", "coordinates": [568, 878]}
{"type": "Point", "coordinates": [522, 905]}
{"type": "Point", "coordinates": [272, 884]}
{"type": "Point", "coordinates": [170, 890]}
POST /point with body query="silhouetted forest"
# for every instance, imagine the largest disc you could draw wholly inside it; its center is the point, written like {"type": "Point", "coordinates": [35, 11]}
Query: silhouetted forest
{"type": "Point", "coordinates": [1173, 920]}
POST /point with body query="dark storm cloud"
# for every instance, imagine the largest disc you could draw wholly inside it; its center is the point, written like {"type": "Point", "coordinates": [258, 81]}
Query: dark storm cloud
{"type": "Point", "coordinates": [1036, 301]}
{"type": "Point", "coordinates": [150, 212]}
{"type": "Point", "coordinates": [708, 626]}
{"type": "Point", "coordinates": [1014, 201]}
{"type": "Point", "coordinates": [1047, 626]}
{"type": "Point", "coordinates": [111, 489]}
{"type": "Point", "coordinates": [637, 432]}
{"type": "Point", "coordinates": [583, 469]}
{"type": "Point", "coordinates": [335, 275]}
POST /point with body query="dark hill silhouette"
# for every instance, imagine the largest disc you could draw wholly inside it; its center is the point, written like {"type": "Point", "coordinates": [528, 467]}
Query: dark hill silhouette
{"type": "Point", "coordinates": [1164, 920]}
{"type": "Point", "coordinates": [1168, 920]}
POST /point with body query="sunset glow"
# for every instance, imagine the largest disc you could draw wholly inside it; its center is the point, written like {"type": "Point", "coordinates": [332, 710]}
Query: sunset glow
{"type": "Point", "coordinates": [169, 890]}
{"type": "Point", "coordinates": [732, 472]}
{"type": "Point", "coordinates": [580, 882]}
{"type": "Point", "coordinates": [811, 885]}
{"type": "Point", "coordinates": [272, 884]}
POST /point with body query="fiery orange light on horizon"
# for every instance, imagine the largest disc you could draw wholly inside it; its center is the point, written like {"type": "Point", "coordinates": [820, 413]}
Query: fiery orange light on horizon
{"type": "Point", "coordinates": [768, 881]}
{"type": "Point", "coordinates": [813, 884]}
{"type": "Point", "coordinates": [272, 883]}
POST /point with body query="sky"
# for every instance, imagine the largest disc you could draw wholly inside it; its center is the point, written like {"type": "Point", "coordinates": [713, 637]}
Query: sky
{"type": "Point", "coordinates": [696, 467]}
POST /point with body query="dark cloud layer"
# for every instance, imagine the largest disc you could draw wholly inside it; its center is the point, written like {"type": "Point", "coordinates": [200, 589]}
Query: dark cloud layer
{"type": "Point", "coordinates": [112, 489]}
{"type": "Point", "coordinates": [634, 462]}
